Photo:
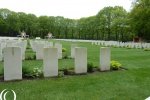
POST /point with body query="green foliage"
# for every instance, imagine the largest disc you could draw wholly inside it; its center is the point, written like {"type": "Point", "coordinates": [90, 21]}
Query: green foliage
{"type": "Point", "coordinates": [65, 56]}
{"type": "Point", "coordinates": [64, 50]}
{"type": "Point", "coordinates": [115, 46]}
{"type": "Point", "coordinates": [66, 72]}
{"type": "Point", "coordinates": [28, 44]}
{"type": "Point", "coordinates": [140, 18]}
{"type": "Point", "coordinates": [146, 49]}
{"type": "Point", "coordinates": [60, 74]}
{"type": "Point", "coordinates": [30, 57]}
{"type": "Point", "coordinates": [115, 65]}
{"type": "Point", "coordinates": [37, 72]}
{"type": "Point", "coordinates": [113, 23]}
{"type": "Point", "coordinates": [109, 23]}
{"type": "Point", "coordinates": [28, 47]}
{"type": "Point", "coordinates": [2, 71]}
{"type": "Point", "coordinates": [34, 73]}
{"type": "Point", "coordinates": [128, 47]}
{"type": "Point", "coordinates": [90, 67]}
{"type": "Point", "coordinates": [26, 72]}
{"type": "Point", "coordinates": [34, 56]}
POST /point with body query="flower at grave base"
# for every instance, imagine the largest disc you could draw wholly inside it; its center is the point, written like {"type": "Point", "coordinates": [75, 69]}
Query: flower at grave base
{"type": "Point", "coordinates": [115, 65]}
{"type": "Point", "coordinates": [37, 72]}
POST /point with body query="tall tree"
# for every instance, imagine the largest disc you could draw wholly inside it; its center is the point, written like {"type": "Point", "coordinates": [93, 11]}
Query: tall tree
{"type": "Point", "coordinates": [140, 18]}
{"type": "Point", "coordinates": [112, 23]}
{"type": "Point", "coordinates": [13, 24]}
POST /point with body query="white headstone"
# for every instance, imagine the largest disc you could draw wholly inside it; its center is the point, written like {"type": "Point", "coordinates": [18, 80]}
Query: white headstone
{"type": "Point", "coordinates": [38, 38]}
{"type": "Point", "coordinates": [50, 62]}
{"type": "Point", "coordinates": [12, 63]}
{"type": "Point", "coordinates": [80, 60]}
{"type": "Point", "coordinates": [22, 45]}
{"type": "Point", "coordinates": [104, 58]}
{"type": "Point", "coordinates": [33, 45]}
{"type": "Point", "coordinates": [39, 51]}
{"type": "Point", "coordinates": [48, 44]}
{"type": "Point", "coordinates": [1, 55]}
{"type": "Point", "coordinates": [59, 47]}
{"type": "Point", "coordinates": [2, 46]}
{"type": "Point", "coordinates": [10, 43]}
{"type": "Point", "coordinates": [73, 50]}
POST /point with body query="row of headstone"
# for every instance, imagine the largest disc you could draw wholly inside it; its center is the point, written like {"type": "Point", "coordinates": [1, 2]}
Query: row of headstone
{"type": "Point", "coordinates": [38, 47]}
{"type": "Point", "coordinates": [8, 38]}
{"type": "Point", "coordinates": [73, 40]}
{"type": "Point", "coordinates": [13, 62]}
{"type": "Point", "coordinates": [110, 43]}
{"type": "Point", "coordinates": [13, 43]}
{"type": "Point", "coordinates": [122, 44]}
{"type": "Point", "coordinates": [142, 45]}
{"type": "Point", "coordinates": [34, 43]}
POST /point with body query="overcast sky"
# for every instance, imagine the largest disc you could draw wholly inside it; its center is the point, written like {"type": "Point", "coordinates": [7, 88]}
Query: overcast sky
{"type": "Point", "coordinates": [68, 8]}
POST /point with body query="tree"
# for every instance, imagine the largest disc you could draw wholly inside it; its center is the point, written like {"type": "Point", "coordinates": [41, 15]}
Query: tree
{"type": "Point", "coordinates": [13, 24]}
{"type": "Point", "coordinates": [120, 23]}
{"type": "Point", "coordinates": [44, 25]}
{"type": "Point", "coordinates": [3, 27]}
{"type": "Point", "coordinates": [112, 23]}
{"type": "Point", "coordinates": [140, 18]}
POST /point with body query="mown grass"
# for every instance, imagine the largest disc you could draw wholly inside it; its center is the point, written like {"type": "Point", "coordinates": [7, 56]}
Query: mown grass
{"type": "Point", "coordinates": [131, 84]}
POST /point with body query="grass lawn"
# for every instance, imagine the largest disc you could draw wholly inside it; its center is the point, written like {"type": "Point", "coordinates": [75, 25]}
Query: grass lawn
{"type": "Point", "coordinates": [131, 84]}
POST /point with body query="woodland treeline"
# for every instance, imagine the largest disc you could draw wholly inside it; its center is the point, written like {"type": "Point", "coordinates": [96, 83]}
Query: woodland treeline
{"type": "Point", "coordinates": [110, 23]}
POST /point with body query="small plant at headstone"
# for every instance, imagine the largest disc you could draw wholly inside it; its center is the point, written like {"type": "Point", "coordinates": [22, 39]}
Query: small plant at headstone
{"type": "Point", "coordinates": [66, 72]}
{"type": "Point", "coordinates": [65, 56]}
{"type": "Point", "coordinates": [146, 49]}
{"type": "Point", "coordinates": [64, 49]}
{"type": "Point", "coordinates": [28, 57]}
{"type": "Point", "coordinates": [115, 65]}
{"type": "Point", "coordinates": [37, 72]}
{"type": "Point", "coordinates": [2, 72]}
{"type": "Point", "coordinates": [28, 44]}
{"type": "Point", "coordinates": [60, 74]}
{"type": "Point", "coordinates": [128, 47]}
{"type": "Point", "coordinates": [115, 46]}
{"type": "Point", "coordinates": [26, 72]}
{"type": "Point", "coordinates": [90, 67]}
{"type": "Point", "coordinates": [28, 47]}
{"type": "Point", "coordinates": [34, 57]}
